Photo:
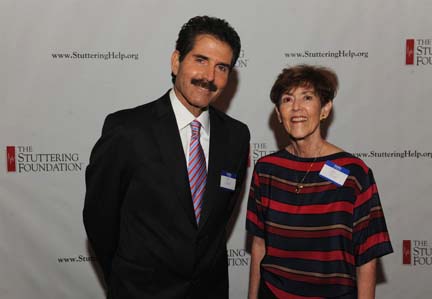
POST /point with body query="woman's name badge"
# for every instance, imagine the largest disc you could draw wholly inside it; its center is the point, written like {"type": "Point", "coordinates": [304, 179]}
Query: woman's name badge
{"type": "Point", "coordinates": [334, 173]}
{"type": "Point", "coordinates": [228, 180]}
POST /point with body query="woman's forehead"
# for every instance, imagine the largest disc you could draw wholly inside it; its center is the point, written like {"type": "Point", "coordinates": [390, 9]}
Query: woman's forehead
{"type": "Point", "coordinates": [304, 87]}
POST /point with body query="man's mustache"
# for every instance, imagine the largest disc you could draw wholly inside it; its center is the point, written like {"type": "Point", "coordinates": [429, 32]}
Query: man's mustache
{"type": "Point", "coordinates": [204, 84]}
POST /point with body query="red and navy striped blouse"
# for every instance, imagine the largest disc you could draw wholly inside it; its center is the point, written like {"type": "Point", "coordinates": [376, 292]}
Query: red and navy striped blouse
{"type": "Point", "coordinates": [315, 239]}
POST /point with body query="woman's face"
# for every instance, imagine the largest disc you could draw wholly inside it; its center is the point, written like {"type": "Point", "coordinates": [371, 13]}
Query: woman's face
{"type": "Point", "coordinates": [300, 112]}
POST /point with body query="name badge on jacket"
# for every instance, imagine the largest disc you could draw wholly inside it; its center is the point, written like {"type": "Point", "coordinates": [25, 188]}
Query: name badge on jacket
{"type": "Point", "coordinates": [334, 173]}
{"type": "Point", "coordinates": [228, 180]}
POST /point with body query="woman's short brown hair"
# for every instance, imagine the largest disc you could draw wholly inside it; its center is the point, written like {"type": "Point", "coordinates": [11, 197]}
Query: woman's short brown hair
{"type": "Point", "coordinates": [323, 80]}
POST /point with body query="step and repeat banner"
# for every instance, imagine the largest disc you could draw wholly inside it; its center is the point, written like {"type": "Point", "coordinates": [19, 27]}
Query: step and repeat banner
{"type": "Point", "coordinates": [64, 65]}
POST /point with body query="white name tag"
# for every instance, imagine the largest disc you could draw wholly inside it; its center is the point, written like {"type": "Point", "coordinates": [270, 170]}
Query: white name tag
{"type": "Point", "coordinates": [334, 173]}
{"type": "Point", "coordinates": [228, 180]}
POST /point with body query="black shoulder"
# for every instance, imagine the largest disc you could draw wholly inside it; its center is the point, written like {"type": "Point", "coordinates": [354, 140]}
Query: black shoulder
{"type": "Point", "coordinates": [232, 123]}
{"type": "Point", "coordinates": [133, 117]}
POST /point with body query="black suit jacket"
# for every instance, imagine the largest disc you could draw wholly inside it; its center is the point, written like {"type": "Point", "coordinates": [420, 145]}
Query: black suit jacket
{"type": "Point", "coordinates": [138, 210]}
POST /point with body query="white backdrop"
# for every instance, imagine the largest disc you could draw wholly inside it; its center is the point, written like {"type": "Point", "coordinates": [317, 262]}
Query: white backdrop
{"type": "Point", "coordinates": [52, 109]}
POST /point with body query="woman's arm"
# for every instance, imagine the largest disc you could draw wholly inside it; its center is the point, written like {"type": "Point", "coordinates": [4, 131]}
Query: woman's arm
{"type": "Point", "coordinates": [257, 254]}
{"type": "Point", "coordinates": [366, 280]}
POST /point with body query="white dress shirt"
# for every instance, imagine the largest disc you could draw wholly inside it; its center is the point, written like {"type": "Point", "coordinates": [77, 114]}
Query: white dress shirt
{"type": "Point", "coordinates": [184, 117]}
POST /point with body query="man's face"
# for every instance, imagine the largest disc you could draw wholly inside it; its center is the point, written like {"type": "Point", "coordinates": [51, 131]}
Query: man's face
{"type": "Point", "coordinates": [202, 74]}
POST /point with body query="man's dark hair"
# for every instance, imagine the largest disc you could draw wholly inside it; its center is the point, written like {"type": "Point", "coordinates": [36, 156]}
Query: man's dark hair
{"type": "Point", "coordinates": [215, 27]}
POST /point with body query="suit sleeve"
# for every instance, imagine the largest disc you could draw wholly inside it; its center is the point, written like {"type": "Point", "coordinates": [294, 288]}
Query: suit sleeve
{"type": "Point", "coordinates": [243, 159]}
{"type": "Point", "coordinates": [106, 182]}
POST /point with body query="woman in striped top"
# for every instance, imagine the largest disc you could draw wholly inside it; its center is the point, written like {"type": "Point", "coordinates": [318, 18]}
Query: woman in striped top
{"type": "Point", "coordinates": [314, 211]}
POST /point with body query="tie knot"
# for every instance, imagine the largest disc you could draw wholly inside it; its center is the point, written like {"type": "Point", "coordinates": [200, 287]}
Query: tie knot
{"type": "Point", "coordinates": [195, 126]}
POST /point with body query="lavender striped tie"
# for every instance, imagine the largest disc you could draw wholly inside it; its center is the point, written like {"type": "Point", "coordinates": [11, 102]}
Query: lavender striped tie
{"type": "Point", "coordinates": [197, 169]}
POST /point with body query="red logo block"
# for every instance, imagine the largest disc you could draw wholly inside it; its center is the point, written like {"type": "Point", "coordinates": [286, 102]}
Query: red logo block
{"type": "Point", "coordinates": [10, 156]}
{"type": "Point", "coordinates": [409, 59]}
{"type": "Point", "coordinates": [406, 252]}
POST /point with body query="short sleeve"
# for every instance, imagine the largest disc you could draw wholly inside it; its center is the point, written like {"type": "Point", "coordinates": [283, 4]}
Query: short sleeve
{"type": "Point", "coordinates": [254, 217]}
{"type": "Point", "coordinates": [370, 236]}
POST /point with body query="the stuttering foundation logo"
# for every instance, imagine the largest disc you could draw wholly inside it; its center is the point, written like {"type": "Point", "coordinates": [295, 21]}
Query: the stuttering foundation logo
{"type": "Point", "coordinates": [260, 149]}
{"type": "Point", "coordinates": [416, 253]}
{"type": "Point", "coordinates": [418, 52]}
{"type": "Point", "coordinates": [23, 159]}
{"type": "Point", "coordinates": [238, 257]}
{"type": "Point", "coordinates": [242, 61]}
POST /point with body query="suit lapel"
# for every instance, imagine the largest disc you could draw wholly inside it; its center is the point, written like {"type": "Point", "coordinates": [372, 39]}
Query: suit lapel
{"type": "Point", "coordinates": [217, 153]}
{"type": "Point", "coordinates": [170, 146]}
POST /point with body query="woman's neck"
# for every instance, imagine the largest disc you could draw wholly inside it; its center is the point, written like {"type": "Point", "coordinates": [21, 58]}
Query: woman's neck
{"type": "Point", "coordinates": [305, 149]}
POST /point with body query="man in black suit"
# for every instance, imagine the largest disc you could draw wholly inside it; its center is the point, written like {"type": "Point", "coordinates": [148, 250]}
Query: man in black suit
{"type": "Point", "coordinates": [154, 234]}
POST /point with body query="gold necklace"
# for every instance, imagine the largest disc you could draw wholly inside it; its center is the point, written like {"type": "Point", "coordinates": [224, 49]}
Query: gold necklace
{"type": "Point", "coordinates": [300, 185]}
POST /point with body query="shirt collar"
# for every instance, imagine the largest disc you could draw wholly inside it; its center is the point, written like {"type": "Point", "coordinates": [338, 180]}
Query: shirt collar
{"type": "Point", "coordinates": [184, 117]}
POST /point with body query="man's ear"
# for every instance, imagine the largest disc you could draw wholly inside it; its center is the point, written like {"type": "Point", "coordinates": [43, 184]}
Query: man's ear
{"type": "Point", "coordinates": [175, 62]}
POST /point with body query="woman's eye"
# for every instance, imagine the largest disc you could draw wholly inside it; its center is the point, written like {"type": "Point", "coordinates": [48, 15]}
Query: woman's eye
{"type": "Point", "coordinates": [286, 99]}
